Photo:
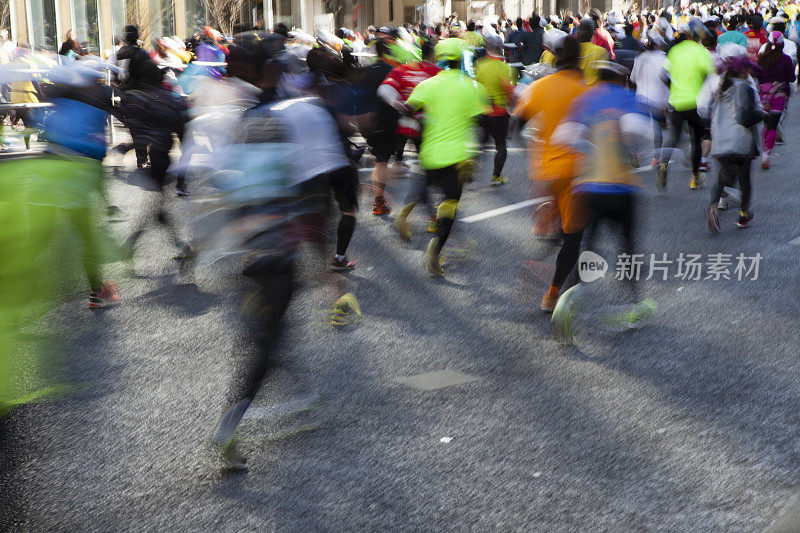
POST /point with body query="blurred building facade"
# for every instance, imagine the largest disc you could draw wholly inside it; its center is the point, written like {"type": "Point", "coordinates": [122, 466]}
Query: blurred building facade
{"type": "Point", "coordinates": [43, 24]}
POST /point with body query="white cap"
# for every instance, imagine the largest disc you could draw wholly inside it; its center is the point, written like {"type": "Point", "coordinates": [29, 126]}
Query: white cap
{"type": "Point", "coordinates": [729, 50]}
{"type": "Point", "coordinates": [553, 38]}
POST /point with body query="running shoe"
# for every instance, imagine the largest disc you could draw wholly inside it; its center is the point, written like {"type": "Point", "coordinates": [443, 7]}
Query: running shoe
{"type": "Point", "coordinates": [705, 166]}
{"type": "Point", "coordinates": [765, 163]}
{"type": "Point", "coordinates": [722, 205]}
{"type": "Point", "coordinates": [696, 182]}
{"type": "Point", "coordinates": [779, 138]}
{"type": "Point", "coordinates": [661, 177]}
{"type": "Point", "coordinates": [380, 208]}
{"type": "Point", "coordinates": [642, 311]}
{"type": "Point", "coordinates": [343, 265]}
{"type": "Point", "coordinates": [346, 310]}
{"type": "Point", "coordinates": [229, 455]}
{"type": "Point", "coordinates": [106, 296]}
{"type": "Point", "coordinates": [712, 218]}
{"type": "Point", "coordinates": [433, 226]}
{"type": "Point", "coordinates": [181, 190]}
{"type": "Point", "coordinates": [563, 315]}
{"type": "Point", "coordinates": [633, 319]}
{"type": "Point", "coordinates": [745, 219]}
{"type": "Point", "coordinates": [400, 225]}
{"type": "Point", "coordinates": [498, 180]}
{"type": "Point", "coordinates": [431, 259]}
{"type": "Point", "coordinates": [549, 300]}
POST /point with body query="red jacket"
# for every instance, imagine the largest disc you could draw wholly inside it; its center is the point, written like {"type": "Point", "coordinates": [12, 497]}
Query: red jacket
{"type": "Point", "coordinates": [755, 40]}
{"type": "Point", "coordinates": [602, 38]}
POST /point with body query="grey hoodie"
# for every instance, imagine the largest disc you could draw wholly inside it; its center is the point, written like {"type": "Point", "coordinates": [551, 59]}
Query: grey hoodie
{"type": "Point", "coordinates": [728, 136]}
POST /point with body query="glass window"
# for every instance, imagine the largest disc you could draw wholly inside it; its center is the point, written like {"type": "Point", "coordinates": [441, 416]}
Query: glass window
{"type": "Point", "coordinates": [155, 18]}
{"type": "Point", "coordinates": [44, 29]}
{"type": "Point", "coordinates": [283, 12]}
{"type": "Point", "coordinates": [195, 16]}
{"type": "Point", "coordinates": [162, 17]}
{"type": "Point", "coordinates": [119, 17]}
{"type": "Point", "coordinates": [5, 16]}
{"type": "Point", "coordinates": [86, 26]}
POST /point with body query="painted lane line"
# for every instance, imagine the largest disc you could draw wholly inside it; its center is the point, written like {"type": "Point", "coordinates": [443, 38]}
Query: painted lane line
{"type": "Point", "coordinates": [503, 210]}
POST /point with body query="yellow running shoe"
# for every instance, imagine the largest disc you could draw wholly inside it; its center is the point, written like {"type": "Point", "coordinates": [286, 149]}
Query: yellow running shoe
{"type": "Point", "coordinates": [431, 260]}
{"type": "Point", "coordinates": [346, 310]}
{"type": "Point", "coordinates": [498, 180]}
{"type": "Point", "coordinates": [400, 225]}
{"type": "Point", "coordinates": [433, 226]}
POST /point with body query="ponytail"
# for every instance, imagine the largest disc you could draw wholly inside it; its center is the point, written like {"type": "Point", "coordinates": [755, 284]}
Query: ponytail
{"type": "Point", "coordinates": [772, 53]}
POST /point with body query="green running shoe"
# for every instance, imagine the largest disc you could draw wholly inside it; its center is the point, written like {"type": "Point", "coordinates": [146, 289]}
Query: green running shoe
{"type": "Point", "coordinates": [633, 319]}
{"type": "Point", "coordinates": [563, 315]}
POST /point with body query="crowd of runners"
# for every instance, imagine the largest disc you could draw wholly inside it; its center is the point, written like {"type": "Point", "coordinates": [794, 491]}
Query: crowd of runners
{"type": "Point", "coordinates": [267, 130]}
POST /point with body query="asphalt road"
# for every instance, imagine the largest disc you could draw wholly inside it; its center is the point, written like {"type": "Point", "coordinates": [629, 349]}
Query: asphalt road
{"type": "Point", "coordinates": [690, 424]}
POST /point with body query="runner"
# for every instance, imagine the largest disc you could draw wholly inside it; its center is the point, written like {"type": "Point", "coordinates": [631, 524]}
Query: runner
{"type": "Point", "coordinates": [395, 90]}
{"type": "Point", "coordinates": [590, 52]}
{"type": "Point", "coordinates": [451, 102]}
{"type": "Point", "coordinates": [606, 123]}
{"type": "Point", "coordinates": [550, 97]}
{"type": "Point", "coordinates": [756, 36]}
{"type": "Point", "coordinates": [499, 79]}
{"type": "Point", "coordinates": [319, 169]}
{"type": "Point", "coordinates": [380, 134]}
{"type": "Point", "coordinates": [71, 173]}
{"type": "Point", "coordinates": [153, 114]}
{"type": "Point", "coordinates": [732, 35]}
{"type": "Point", "coordinates": [472, 37]}
{"type": "Point", "coordinates": [734, 109]}
{"type": "Point", "coordinates": [649, 76]}
{"type": "Point", "coordinates": [775, 72]}
{"type": "Point", "coordinates": [688, 65]}
{"type": "Point", "coordinates": [259, 224]}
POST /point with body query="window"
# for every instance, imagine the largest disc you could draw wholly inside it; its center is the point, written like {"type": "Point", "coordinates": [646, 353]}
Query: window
{"type": "Point", "coordinates": [195, 16]}
{"type": "Point", "coordinates": [283, 12]}
{"type": "Point", "coordinates": [85, 25]}
{"type": "Point", "coordinates": [155, 18]}
{"type": "Point", "coordinates": [119, 17]}
{"type": "Point", "coordinates": [5, 16]}
{"type": "Point", "coordinates": [42, 24]}
{"type": "Point", "coordinates": [162, 15]}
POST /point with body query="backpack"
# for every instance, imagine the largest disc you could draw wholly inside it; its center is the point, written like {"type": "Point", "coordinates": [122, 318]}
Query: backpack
{"type": "Point", "coordinates": [747, 114]}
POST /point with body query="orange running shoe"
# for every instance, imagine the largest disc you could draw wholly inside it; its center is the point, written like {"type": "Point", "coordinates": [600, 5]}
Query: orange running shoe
{"type": "Point", "coordinates": [380, 208]}
{"type": "Point", "coordinates": [549, 300]}
{"type": "Point", "coordinates": [107, 296]}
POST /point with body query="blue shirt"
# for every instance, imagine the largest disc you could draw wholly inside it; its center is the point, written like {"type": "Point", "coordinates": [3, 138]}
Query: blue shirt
{"type": "Point", "coordinates": [599, 111]}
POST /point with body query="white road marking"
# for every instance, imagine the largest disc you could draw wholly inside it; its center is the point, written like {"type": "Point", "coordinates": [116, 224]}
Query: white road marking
{"type": "Point", "coordinates": [642, 169]}
{"type": "Point", "coordinates": [519, 205]}
{"type": "Point", "coordinates": [503, 210]}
